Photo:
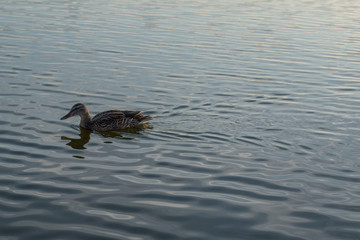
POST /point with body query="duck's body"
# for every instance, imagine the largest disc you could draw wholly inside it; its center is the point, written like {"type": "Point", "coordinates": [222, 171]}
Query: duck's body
{"type": "Point", "coordinates": [108, 120]}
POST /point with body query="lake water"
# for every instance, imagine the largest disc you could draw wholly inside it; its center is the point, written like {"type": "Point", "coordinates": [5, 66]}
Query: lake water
{"type": "Point", "coordinates": [256, 128]}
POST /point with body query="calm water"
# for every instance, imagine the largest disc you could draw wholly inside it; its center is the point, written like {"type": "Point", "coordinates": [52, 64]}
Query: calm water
{"type": "Point", "coordinates": [256, 129]}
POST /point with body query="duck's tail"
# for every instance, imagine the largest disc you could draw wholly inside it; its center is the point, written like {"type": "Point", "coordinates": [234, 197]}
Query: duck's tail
{"type": "Point", "coordinates": [143, 119]}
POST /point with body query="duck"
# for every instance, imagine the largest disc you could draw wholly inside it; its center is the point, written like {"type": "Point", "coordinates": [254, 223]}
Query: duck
{"type": "Point", "coordinates": [106, 121]}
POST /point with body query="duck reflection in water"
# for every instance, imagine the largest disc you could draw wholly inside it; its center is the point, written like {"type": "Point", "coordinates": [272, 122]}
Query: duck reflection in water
{"type": "Point", "coordinates": [79, 143]}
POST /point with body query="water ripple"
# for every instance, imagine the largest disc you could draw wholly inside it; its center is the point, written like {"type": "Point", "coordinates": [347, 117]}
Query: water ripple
{"type": "Point", "coordinates": [255, 131]}
{"type": "Point", "coordinates": [257, 182]}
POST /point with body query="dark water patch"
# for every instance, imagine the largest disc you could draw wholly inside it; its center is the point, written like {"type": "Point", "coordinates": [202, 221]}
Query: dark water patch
{"type": "Point", "coordinates": [15, 197]}
{"type": "Point", "coordinates": [217, 227]}
{"type": "Point", "coordinates": [229, 75]}
{"type": "Point", "coordinates": [281, 94]}
{"type": "Point", "coordinates": [4, 123]}
{"type": "Point", "coordinates": [14, 162]}
{"type": "Point", "coordinates": [252, 138]}
{"type": "Point", "coordinates": [175, 114]}
{"type": "Point", "coordinates": [22, 69]}
{"type": "Point", "coordinates": [13, 56]}
{"type": "Point", "coordinates": [37, 130]}
{"type": "Point", "coordinates": [224, 106]}
{"type": "Point", "coordinates": [227, 114]}
{"type": "Point", "coordinates": [49, 85]}
{"type": "Point", "coordinates": [257, 182]}
{"type": "Point", "coordinates": [180, 135]}
{"type": "Point", "coordinates": [161, 136]}
{"type": "Point", "coordinates": [47, 189]}
{"type": "Point", "coordinates": [32, 118]}
{"type": "Point", "coordinates": [20, 231]}
{"type": "Point", "coordinates": [43, 76]}
{"type": "Point", "coordinates": [155, 234]}
{"type": "Point", "coordinates": [180, 107]}
{"type": "Point", "coordinates": [4, 73]}
{"type": "Point", "coordinates": [274, 129]}
{"type": "Point", "coordinates": [225, 94]}
{"type": "Point", "coordinates": [108, 51]}
{"type": "Point", "coordinates": [345, 207]}
{"type": "Point", "coordinates": [12, 113]}
{"type": "Point", "coordinates": [289, 99]}
{"type": "Point", "coordinates": [189, 168]}
{"type": "Point", "coordinates": [16, 142]}
{"type": "Point", "coordinates": [7, 208]}
{"type": "Point", "coordinates": [177, 76]}
{"type": "Point", "coordinates": [7, 182]}
{"type": "Point", "coordinates": [216, 203]}
{"type": "Point", "coordinates": [115, 207]}
{"type": "Point", "coordinates": [238, 192]}
{"type": "Point", "coordinates": [73, 180]}
{"type": "Point", "coordinates": [306, 147]}
{"type": "Point", "coordinates": [22, 153]}
{"type": "Point", "coordinates": [338, 177]}
{"type": "Point", "coordinates": [168, 198]}
{"type": "Point", "coordinates": [345, 170]}
{"type": "Point", "coordinates": [73, 234]}
{"type": "Point", "coordinates": [206, 104]}
{"type": "Point", "coordinates": [345, 89]}
{"type": "Point", "coordinates": [217, 137]}
{"type": "Point", "coordinates": [282, 142]}
{"type": "Point", "coordinates": [343, 234]}
{"type": "Point", "coordinates": [165, 91]}
{"type": "Point", "coordinates": [71, 93]}
{"type": "Point", "coordinates": [282, 148]}
{"type": "Point", "coordinates": [249, 142]}
{"type": "Point", "coordinates": [17, 124]}
{"type": "Point", "coordinates": [261, 160]}
{"type": "Point", "coordinates": [300, 153]}
{"type": "Point", "coordinates": [314, 220]}
{"type": "Point", "coordinates": [16, 133]}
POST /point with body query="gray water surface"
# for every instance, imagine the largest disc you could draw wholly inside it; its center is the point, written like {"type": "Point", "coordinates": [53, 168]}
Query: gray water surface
{"type": "Point", "coordinates": [256, 120]}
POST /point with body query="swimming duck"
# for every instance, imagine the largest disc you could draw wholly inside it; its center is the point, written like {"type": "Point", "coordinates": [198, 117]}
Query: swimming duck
{"type": "Point", "coordinates": [108, 120]}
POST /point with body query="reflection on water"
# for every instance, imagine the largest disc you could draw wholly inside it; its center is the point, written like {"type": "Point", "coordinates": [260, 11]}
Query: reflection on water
{"type": "Point", "coordinates": [79, 143]}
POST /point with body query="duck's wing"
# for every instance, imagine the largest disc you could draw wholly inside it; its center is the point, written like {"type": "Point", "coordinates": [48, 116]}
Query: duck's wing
{"type": "Point", "coordinates": [116, 119]}
{"type": "Point", "coordinates": [112, 115]}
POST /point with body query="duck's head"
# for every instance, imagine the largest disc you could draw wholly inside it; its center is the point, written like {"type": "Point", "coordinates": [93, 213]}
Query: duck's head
{"type": "Point", "coordinates": [78, 109]}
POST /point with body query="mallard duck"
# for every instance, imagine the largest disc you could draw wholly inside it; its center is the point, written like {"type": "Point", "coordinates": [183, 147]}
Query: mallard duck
{"type": "Point", "coordinates": [108, 120]}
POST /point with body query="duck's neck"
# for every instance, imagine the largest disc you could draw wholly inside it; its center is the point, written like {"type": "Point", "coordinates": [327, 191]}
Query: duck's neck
{"type": "Point", "coordinates": [85, 120]}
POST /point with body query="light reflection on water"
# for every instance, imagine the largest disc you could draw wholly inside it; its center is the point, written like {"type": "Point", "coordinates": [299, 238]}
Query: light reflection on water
{"type": "Point", "coordinates": [256, 126]}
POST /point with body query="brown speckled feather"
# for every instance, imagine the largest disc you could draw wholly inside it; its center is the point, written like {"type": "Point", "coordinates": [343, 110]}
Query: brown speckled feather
{"type": "Point", "coordinates": [116, 119]}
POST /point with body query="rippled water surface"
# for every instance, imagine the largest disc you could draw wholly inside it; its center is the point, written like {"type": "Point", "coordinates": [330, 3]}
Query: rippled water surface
{"type": "Point", "coordinates": [256, 110]}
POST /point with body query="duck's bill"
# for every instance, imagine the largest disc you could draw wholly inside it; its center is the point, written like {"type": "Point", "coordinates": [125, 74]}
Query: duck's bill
{"type": "Point", "coordinates": [67, 116]}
